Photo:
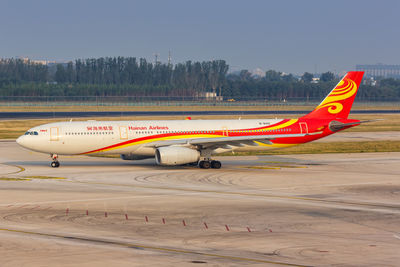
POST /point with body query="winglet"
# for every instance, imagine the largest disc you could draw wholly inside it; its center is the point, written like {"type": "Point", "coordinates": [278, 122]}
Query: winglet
{"type": "Point", "coordinates": [337, 104]}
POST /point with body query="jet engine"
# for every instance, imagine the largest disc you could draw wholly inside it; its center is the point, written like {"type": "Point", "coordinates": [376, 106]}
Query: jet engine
{"type": "Point", "coordinates": [175, 155]}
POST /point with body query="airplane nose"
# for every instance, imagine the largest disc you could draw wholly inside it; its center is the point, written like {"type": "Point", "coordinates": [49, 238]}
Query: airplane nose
{"type": "Point", "coordinates": [21, 140]}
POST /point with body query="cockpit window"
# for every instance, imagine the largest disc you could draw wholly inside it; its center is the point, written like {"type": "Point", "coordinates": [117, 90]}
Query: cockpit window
{"type": "Point", "coordinates": [31, 133]}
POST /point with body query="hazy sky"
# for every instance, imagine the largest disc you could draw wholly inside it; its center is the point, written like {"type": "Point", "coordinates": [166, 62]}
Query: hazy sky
{"type": "Point", "coordinates": [292, 36]}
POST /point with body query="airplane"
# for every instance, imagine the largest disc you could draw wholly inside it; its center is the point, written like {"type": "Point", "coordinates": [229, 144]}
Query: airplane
{"type": "Point", "coordinates": [194, 142]}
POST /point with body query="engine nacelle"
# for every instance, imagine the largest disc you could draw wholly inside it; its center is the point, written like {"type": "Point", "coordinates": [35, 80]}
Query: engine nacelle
{"type": "Point", "coordinates": [134, 157]}
{"type": "Point", "coordinates": [175, 155]}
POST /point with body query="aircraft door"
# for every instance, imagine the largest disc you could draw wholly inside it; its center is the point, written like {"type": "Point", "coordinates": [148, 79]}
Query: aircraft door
{"type": "Point", "coordinates": [225, 131]}
{"type": "Point", "coordinates": [303, 127]}
{"type": "Point", "coordinates": [54, 134]}
{"type": "Point", "coordinates": [123, 132]}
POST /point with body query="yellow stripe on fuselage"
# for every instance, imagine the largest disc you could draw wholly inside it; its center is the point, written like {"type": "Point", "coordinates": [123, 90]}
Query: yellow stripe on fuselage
{"type": "Point", "coordinates": [273, 145]}
{"type": "Point", "coordinates": [150, 140]}
{"type": "Point", "coordinates": [178, 137]}
{"type": "Point", "coordinates": [283, 125]}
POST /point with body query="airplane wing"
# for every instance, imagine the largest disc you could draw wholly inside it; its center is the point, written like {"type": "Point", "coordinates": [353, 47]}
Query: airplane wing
{"type": "Point", "coordinates": [223, 142]}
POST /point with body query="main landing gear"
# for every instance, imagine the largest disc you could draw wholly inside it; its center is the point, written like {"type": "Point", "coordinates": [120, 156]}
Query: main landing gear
{"type": "Point", "coordinates": [206, 164]}
{"type": "Point", "coordinates": [55, 163]}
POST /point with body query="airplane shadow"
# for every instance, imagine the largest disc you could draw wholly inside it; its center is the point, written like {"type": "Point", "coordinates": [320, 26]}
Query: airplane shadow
{"type": "Point", "coordinates": [98, 164]}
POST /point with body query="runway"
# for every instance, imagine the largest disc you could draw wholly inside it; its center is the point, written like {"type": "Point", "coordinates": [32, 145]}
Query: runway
{"type": "Point", "coordinates": [292, 210]}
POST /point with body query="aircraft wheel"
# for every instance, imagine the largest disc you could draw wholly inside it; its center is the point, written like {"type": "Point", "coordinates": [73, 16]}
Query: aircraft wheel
{"type": "Point", "coordinates": [216, 164]}
{"type": "Point", "coordinates": [204, 164]}
{"type": "Point", "coordinates": [55, 164]}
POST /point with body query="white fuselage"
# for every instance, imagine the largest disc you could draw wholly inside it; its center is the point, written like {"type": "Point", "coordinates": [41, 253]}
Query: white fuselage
{"type": "Point", "coordinates": [131, 137]}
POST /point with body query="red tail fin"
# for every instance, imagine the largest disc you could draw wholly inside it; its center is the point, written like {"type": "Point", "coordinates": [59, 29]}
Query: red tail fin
{"type": "Point", "coordinates": [338, 103]}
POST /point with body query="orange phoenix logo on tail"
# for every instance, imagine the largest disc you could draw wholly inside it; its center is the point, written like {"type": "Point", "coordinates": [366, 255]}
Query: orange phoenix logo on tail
{"type": "Point", "coordinates": [339, 101]}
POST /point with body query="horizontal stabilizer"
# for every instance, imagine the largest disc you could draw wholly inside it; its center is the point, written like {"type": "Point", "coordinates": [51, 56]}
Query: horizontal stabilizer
{"type": "Point", "coordinates": [337, 125]}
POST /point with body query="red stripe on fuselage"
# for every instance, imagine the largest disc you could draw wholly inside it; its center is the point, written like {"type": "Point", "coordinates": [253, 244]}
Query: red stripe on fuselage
{"type": "Point", "coordinates": [237, 132]}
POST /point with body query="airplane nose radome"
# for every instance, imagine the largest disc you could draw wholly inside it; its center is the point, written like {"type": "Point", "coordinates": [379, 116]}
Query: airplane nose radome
{"type": "Point", "coordinates": [20, 141]}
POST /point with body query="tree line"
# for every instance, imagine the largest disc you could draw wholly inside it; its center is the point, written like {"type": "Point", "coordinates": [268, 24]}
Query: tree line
{"type": "Point", "coordinates": [129, 76]}
{"type": "Point", "coordinates": [15, 71]}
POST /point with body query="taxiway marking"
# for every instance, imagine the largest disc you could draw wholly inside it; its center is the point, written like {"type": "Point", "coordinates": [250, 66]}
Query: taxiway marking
{"type": "Point", "coordinates": [21, 169]}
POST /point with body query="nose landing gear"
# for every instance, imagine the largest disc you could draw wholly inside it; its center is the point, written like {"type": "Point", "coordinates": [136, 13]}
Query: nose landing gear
{"type": "Point", "coordinates": [55, 163]}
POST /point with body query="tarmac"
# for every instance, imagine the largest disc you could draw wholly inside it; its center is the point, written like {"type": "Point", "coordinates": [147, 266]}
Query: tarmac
{"type": "Point", "coordinates": [289, 210]}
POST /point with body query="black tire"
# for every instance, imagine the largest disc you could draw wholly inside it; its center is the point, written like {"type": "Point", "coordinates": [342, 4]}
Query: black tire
{"type": "Point", "coordinates": [216, 164]}
{"type": "Point", "coordinates": [205, 165]}
{"type": "Point", "coordinates": [55, 164]}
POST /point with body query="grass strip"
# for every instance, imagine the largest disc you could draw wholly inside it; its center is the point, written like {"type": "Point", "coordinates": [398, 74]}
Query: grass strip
{"type": "Point", "coordinates": [332, 147]}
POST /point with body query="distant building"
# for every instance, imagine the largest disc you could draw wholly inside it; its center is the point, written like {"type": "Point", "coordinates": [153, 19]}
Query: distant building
{"type": "Point", "coordinates": [369, 81]}
{"type": "Point", "coordinates": [258, 73]}
{"type": "Point", "coordinates": [210, 96]}
{"type": "Point", "coordinates": [380, 70]}
{"type": "Point", "coordinates": [39, 62]}
{"type": "Point", "coordinates": [315, 80]}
